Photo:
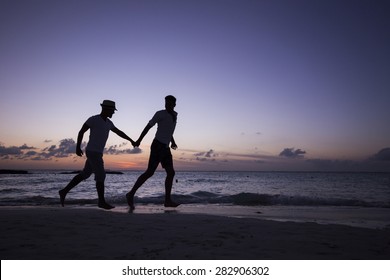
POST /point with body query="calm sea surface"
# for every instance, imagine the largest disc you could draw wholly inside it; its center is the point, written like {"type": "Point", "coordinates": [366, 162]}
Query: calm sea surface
{"type": "Point", "coordinates": [361, 199]}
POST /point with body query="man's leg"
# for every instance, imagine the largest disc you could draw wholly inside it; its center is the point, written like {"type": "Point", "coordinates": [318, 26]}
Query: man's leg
{"type": "Point", "coordinates": [97, 164]}
{"type": "Point", "coordinates": [152, 166]}
{"type": "Point", "coordinates": [167, 163]}
{"type": "Point", "coordinates": [168, 188]}
{"type": "Point", "coordinates": [102, 201]}
{"type": "Point", "coordinates": [87, 171]}
{"type": "Point", "coordinates": [140, 181]}
{"type": "Point", "coordinates": [73, 183]}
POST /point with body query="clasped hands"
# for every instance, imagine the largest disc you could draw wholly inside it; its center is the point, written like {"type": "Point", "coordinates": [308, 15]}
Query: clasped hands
{"type": "Point", "coordinates": [138, 142]}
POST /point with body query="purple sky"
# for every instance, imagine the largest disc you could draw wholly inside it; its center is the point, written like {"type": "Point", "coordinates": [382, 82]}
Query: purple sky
{"type": "Point", "coordinates": [261, 85]}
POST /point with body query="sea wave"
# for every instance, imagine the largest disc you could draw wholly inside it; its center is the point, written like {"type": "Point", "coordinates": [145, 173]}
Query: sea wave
{"type": "Point", "coordinates": [255, 199]}
{"type": "Point", "coordinates": [203, 197]}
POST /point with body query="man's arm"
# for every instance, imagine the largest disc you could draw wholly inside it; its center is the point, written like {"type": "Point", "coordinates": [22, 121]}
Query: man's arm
{"type": "Point", "coordinates": [143, 133]}
{"type": "Point", "coordinates": [120, 133]}
{"type": "Point", "coordinates": [173, 143]}
{"type": "Point", "coordinates": [80, 136]}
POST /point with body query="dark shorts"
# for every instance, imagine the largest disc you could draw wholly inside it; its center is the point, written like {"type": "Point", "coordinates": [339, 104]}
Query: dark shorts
{"type": "Point", "coordinates": [160, 153]}
{"type": "Point", "coordinates": [94, 164]}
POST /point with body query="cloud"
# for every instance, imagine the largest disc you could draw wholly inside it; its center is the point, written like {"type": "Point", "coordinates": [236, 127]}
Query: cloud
{"type": "Point", "coordinates": [10, 151]}
{"type": "Point", "coordinates": [203, 156]}
{"type": "Point", "coordinates": [65, 148]}
{"type": "Point", "coordinates": [382, 155]}
{"type": "Point", "coordinates": [136, 150]}
{"type": "Point", "coordinates": [224, 157]}
{"type": "Point", "coordinates": [292, 153]}
{"type": "Point", "coordinates": [208, 154]}
{"type": "Point", "coordinates": [6, 152]}
{"type": "Point", "coordinates": [113, 150]}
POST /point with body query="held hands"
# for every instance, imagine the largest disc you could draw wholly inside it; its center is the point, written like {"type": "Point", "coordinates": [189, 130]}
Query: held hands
{"type": "Point", "coordinates": [137, 143]}
{"type": "Point", "coordinates": [79, 152]}
{"type": "Point", "coordinates": [133, 143]}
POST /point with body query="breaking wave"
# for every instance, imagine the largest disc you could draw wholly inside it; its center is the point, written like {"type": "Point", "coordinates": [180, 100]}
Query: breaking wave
{"type": "Point", "coordinates": [203, 197]}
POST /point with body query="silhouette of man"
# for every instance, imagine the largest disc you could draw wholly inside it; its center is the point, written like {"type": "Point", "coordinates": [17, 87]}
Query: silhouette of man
{"type": "Point", "coordinates": [159, 151]}
{"type": "Point", "coordinates": [100, 126]}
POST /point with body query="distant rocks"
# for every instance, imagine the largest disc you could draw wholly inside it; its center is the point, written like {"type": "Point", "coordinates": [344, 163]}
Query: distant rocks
{"type": "Point", "coordinates": [11, 171]}
{"type": "Point", "coordinates": [114, 172]}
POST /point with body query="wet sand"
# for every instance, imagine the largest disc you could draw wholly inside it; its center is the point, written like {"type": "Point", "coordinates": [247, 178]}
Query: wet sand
{"type": "Point", "coordinates": [55, 233]}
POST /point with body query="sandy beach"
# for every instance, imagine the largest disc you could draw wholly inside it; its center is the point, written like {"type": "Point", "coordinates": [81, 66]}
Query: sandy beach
{"type": "Point", "coordinates": [54, 233]}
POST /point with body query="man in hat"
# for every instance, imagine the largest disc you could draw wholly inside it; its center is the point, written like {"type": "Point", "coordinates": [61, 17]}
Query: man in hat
{"type": "Point", "coordinates": [100, 126]}
{"type": "Point", "coordinates": [159, 151]}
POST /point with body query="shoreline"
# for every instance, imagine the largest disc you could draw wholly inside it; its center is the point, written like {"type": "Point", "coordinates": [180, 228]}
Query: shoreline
{"type": "Point", "coordinates": [56, 233]}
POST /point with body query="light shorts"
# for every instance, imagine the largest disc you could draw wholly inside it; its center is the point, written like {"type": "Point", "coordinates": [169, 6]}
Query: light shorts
{"type": "Point", "coordinates": [94, 164]}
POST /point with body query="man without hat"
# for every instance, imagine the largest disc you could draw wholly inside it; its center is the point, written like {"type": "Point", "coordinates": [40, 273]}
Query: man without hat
{"type": "Point", "coordinates": [100, 126]}
{"type": "Point", "coordinates": [159, 151]}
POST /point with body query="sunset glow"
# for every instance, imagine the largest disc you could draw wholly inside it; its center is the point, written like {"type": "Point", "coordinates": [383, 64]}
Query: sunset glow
{"type": "Point", "coordinates": [260, 85]}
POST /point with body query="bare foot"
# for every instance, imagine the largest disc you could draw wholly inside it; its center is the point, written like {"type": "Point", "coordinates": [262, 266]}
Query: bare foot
{"type": "Point", "coordinates": [171, 204]}
{"type": "Point", "coordinates": [130, 201]}
{"type": "Point", "coordinates": [105, 205]}
{"type": "Point", "coordinates": [62, 197]}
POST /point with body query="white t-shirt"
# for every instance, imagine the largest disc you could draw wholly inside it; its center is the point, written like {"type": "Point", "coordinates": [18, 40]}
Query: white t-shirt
{"type": "Point", "coordinates": [99, 130]}
{"type": "Point", "coordinates": [166, 126]}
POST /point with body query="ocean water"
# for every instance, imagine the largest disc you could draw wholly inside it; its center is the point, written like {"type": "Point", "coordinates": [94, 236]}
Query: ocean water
{"type": "Point", "coordinates": [357, 199]}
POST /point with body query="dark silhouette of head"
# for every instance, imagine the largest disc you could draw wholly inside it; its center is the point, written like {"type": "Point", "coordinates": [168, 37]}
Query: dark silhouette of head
{"type": "Point", "coordinates": [170, 102]}
{"type": "Point", "coordinates": [108, 108]}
